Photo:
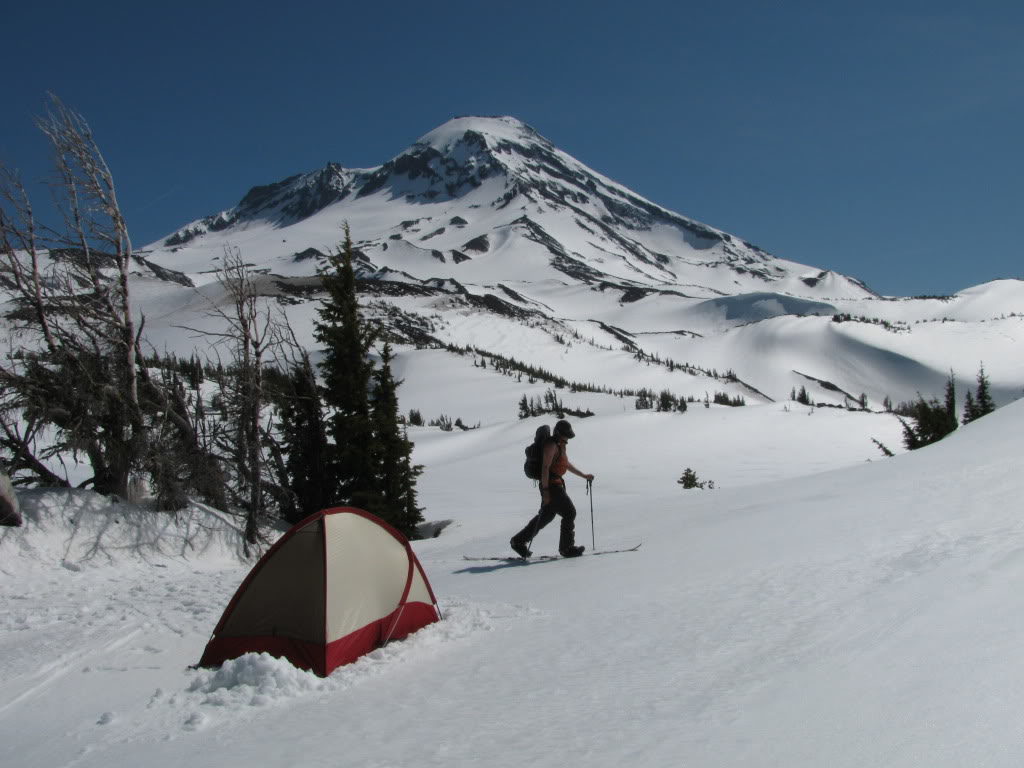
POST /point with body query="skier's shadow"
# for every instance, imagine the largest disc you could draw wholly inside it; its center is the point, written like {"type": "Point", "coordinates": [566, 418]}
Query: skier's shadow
{"type": "Point", "coordinates": [502, 565]}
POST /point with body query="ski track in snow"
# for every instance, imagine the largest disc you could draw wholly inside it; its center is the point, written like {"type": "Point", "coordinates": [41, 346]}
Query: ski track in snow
{"type": "Point", "coordinates": [126, 627]}
{"type": "Point", "coordinates": [863, 616]}
{"type": "Point", "coordinates": [746, 636]}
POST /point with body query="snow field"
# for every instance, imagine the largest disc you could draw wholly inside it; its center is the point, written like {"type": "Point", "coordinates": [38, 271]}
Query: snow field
{"type": "Point", "coordinates": [857, 616]}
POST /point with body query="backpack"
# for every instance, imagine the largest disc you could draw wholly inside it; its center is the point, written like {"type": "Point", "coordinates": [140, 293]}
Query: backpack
{"type": "Point", "coordinates": [535, 452]}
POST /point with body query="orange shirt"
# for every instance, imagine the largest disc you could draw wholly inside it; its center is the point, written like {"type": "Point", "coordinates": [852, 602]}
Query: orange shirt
{"type": "Point", "coordinates": [559, 465]}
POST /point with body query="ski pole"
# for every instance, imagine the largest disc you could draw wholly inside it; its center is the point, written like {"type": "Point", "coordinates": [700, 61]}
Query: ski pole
{"type": "Point", "coordinates": [590, 491]}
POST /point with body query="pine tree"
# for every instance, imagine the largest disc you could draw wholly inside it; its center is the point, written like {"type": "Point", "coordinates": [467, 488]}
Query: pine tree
{"type": "Point", "coordinates": [688, 479]}
{"type": "Point", "coordinates": [983, 398]}
{"type": "Point", "coordinates": [304, 442]}
{"type": "Point", "coordinates": [979, 404]}
{"type": "Point", "coordinates": [949, 422]}
{"type": "Point", "coordinates": [524, 408]}
{"type": "Point", "coordinates": [932, 420]}
{"type": "Point", "coordinates": [970, 408]}
{"type": "Point", "coordinates": [667, 401]}
{"type": "Point", "coordinates": [395, 495]}
{"type": "Point", "coordinates": [346, 370]}
{"type": "Point", "coordinates": [802, 397]}
{"type": "Point", "coordinates": [412, 514]}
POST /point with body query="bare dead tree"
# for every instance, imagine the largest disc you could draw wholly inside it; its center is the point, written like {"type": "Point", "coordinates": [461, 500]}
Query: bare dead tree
{"type": "Point", "coordinates": [182, 460]}
{"type": "Point", "coordinates": [251, 338]}
{"type": "Point", "coordinates": [18, 237]}
{"type": "Point", "coordinates": [96, 217]}
{"type": "Point", "coordinates": [76, 365]}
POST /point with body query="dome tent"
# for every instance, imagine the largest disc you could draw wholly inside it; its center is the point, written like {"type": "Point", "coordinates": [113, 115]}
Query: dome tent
{"type": "Point", "coordinates": [335, 586]}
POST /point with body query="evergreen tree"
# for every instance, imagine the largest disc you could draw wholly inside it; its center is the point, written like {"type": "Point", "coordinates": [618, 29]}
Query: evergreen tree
{"type": "Point", "coordinates": [970, 409]}
{"type": "Point", "coordinates": [949, 421]}
{"type": "Point", "coordinates": [667, 401]}
{"type": "Point", "coordinates": [803, 398]}
{"type": "Point", "coordinates": [983, 398]}
{"type": "Point", "coordinates": [412, 514]}
{"type": "Point", "coordinates": [688, 479]}
{"type": "Point", "coordinates": [979, 404]}
{"type": "Point", "coordinates": [524, 408]}
{"type": "Point", "coordinates": [395, 494]}
{"type": "Point", "coordinates": [346, 370]}
{"type": "Point", "coordinates": [304, 442]}
{"type": "Point", "coordinates": [932, 420]}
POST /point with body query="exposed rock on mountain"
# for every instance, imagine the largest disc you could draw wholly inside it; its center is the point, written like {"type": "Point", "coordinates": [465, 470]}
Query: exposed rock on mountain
{"type": "Point", "coordinates": [483, 233]}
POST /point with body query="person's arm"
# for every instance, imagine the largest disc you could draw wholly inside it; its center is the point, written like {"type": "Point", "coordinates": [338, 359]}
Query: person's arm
{"type": "Point", "coordinates": [575, 471]}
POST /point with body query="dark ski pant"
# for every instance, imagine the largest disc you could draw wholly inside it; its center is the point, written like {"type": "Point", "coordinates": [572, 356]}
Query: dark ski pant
{"type": "Point", "coordinates": [560, 505]}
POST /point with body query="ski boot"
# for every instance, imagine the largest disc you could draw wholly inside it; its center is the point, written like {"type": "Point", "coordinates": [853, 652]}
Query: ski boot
{"type": "Point", "coordinates": [519, 548]}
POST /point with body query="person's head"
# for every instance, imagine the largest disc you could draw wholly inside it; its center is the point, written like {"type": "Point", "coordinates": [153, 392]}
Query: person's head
{"type": "Point", "coordinates": [563, 431]}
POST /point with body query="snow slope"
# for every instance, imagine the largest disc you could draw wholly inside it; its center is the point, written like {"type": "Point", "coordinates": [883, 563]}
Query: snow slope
{"type": "Point", "coordinates": [485, 209]}
{"type": "Point", "coordinates": [841, 612]}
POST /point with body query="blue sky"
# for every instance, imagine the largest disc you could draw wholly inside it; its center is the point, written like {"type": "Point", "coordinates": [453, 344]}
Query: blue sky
{"type": "Point", "coordinates": [879, 139]}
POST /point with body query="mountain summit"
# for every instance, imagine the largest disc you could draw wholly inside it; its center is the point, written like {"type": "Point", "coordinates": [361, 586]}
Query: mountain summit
{"type": "Point", "coordinates": [484, 235]}
{"type": "Point", "coordinates": [493, 190]}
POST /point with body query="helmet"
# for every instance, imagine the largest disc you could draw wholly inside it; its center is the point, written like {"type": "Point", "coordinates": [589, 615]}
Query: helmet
{"type": "Point", "coordinates": [564, 429]}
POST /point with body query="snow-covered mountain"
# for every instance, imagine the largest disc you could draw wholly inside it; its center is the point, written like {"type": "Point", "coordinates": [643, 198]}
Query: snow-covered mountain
{"type": "Point", "coordinates": [490, 198]}
{"type": "Point", "coordinates": [483, 233]}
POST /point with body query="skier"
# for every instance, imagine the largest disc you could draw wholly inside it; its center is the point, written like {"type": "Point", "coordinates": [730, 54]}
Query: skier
{"type": "Point", "coordinates": [553, 498]}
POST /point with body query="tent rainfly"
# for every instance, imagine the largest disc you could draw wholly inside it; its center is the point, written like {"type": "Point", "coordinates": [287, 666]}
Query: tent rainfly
{"type": "Point", "coordinates": [335, 586]}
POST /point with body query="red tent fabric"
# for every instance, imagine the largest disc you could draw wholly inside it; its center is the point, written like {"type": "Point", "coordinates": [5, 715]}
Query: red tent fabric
{"type": "Point", "coordinates": [335, 586]}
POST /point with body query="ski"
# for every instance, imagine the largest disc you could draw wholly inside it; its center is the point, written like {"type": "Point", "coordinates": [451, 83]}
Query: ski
{"type": "Point", "coordinates": [543, 558]}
